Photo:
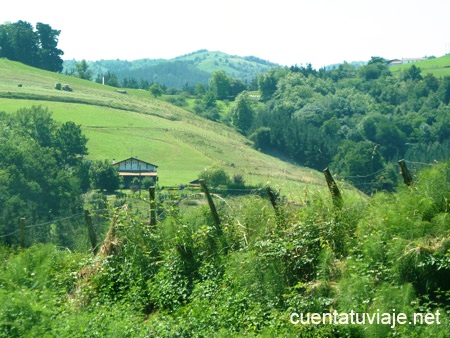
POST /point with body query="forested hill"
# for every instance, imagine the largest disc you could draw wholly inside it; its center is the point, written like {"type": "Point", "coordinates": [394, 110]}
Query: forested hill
{"type": "Point", "coordinates": [189, 69]}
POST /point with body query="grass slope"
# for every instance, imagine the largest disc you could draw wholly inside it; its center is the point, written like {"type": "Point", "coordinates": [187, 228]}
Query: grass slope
{"type": "Point", "coordinates": [134, 124]}
{"type": "Point", "coordinates": [439, 67]}
{"type": "Point", "coordinates": [236, 66]}
{"type": "Point", "coordinates": [191, 69]}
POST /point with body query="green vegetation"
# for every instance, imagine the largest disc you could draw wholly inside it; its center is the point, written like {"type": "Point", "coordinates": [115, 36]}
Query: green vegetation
{"type": "Point", "coordinates": [262, 249]}
{"type": "Point", "coordinates": [19, 41]}
{"type": "Point", "coordinates": [117, 126]}
{"type": "Point", "coordinates": [438, 67]}
{"type": "Point", "coordinates": [187, 70]}
{"type": "Point", "coordinates": [357, 122]}
{"type": "Point", "coordinates": [183, 278]}
{"type": "Point", "coordinates": [39, 173]}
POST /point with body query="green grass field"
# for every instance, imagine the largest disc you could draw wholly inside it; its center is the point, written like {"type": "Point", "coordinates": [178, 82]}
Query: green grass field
{"type": "Point", "coordinates": [439, 67]}
{"type": "Point", "coordinates": [135, 124]}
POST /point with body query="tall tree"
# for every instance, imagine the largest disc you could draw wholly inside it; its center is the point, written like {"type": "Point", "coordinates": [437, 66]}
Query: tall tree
{"type": "Point", "coordinates": [220, 85]}
{"type": "Point", "coordinates": [71, 142]}
{"type": "Point", "coordinates": [375, 68]}
{"type": "Point", "coordinates": [444, 90]}
{"type": "Point", "coordinates": [83, 71]}
{"type": "Point", "coordinates": [242, 113]}
{"type": "Point", "coordinates": [35, 122]}
{"type": "Point", "coordinates": [32, 184]}
{"type": "Point", "coordinates": [20, 42]}
{"type": "Point", "coordinates": [104, 176]}
{"type": "Point", "coordinates": [267, 84]}
{"type": "Point", "coordinates": [412, 73]}
{"type": "Point", "coordinates": [49, 54]}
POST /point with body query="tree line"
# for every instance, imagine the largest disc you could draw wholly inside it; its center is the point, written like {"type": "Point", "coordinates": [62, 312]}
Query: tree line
{"type": "Point", "coordinates": [357, 121]}
{"type": "Point", "coordinates": [36, 47]}
{"type": "Point", "coordinates": [44, 173]}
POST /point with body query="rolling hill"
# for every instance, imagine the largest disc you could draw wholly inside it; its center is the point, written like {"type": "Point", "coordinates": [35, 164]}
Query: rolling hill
{"type": "Point", "coordinates": [189, 69]}
{"type": "Point", "coordinates": [121, 125]}
{"type": "Point", "coordinates": [439, 66]}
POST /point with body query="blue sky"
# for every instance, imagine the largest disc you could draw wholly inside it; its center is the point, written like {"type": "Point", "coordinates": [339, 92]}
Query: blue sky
{"type": "Point", "coordinates": [288, 32]}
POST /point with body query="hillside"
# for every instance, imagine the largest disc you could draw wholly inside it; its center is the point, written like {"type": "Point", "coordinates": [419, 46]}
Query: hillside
{"type": "Point", "coordinates": [439, 67]}
{"type": "Point", "coordinates": [189, 69]}
{"type": "Point", "coordinates": [245, 68]}
{"type": "Point", "coordinates": [120, 125]}
{"type": "Point", "coordinates": [255, 265]}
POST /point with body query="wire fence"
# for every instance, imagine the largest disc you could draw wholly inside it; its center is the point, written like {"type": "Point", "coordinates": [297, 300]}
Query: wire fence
{"type": "Point", "coordinates": [68, 232]}
{"type": "Point", "coordinates": [72, 231]}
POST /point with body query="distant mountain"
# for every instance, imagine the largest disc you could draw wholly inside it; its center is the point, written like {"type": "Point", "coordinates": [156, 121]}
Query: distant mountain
{"type": "Point", "coordinates": [355, 64]}
{"type": "Point", "coordinates": [189, 69]}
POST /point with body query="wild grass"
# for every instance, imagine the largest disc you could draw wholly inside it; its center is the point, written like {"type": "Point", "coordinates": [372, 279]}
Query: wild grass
{"type": "Point", "coordinates": [181, 278]}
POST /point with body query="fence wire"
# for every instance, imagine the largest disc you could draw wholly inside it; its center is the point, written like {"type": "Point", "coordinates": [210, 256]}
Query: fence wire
{"type": "Point", "coordinates": [68, 232]}
{"type": "Point", "coordinates": [220, 193]}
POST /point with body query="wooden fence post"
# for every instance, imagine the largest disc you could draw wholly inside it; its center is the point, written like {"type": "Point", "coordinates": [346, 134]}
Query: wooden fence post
{"type": "Point", "coordinates": [151, 191]}
{"type": "Point", "coordinates": [334, 190]}
{"type": "Point", "coordinates": [22, 232]}
{"type": "Point", "coordinates": [211, 206]}
{"type": "Point", "coordinates": [407, 178]}
{"type": "Point", "coordinates": [275, 205]}
{"type": "Point", "coordinates": [91, 232]}
{"type": "Point", "coordinates": [272, 199]}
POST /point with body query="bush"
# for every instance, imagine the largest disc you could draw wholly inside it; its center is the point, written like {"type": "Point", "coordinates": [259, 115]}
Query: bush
{"type": "Point", "coordinates": [215, 177]}
{"type": "Point", "coordinates": [181, 279]}
{"type": "Point", "coordinates": [147, 182]}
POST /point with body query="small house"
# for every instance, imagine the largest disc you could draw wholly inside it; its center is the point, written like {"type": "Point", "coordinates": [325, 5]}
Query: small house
{"type": "Point", "coordinates": [132, 167]}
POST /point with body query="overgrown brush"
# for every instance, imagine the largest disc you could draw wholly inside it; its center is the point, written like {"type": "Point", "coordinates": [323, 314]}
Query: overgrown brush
{"type": "Point", "coordinates": [183, 278]}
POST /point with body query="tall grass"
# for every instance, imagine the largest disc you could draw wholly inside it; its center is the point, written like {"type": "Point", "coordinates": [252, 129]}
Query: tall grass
{"type": "Point", "coordinates": [183, 278]}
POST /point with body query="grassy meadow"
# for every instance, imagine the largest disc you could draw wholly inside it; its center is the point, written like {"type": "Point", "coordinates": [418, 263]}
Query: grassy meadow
{"type": "Point", "coordinates": [439, 67]}
{"type": "Point", "coordinates": [118, 126]}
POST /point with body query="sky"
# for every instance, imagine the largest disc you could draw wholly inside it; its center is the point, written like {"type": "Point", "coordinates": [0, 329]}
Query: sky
{"type": "Point", "coordinates": [286, 32]}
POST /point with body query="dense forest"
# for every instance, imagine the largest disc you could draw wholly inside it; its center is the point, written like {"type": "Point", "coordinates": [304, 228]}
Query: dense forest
{"type": "Point", "coordinates": [357, 122]}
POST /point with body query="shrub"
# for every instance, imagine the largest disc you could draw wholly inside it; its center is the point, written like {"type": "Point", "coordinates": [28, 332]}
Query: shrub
{"type": "Point", "coordinates": [215, 177]}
